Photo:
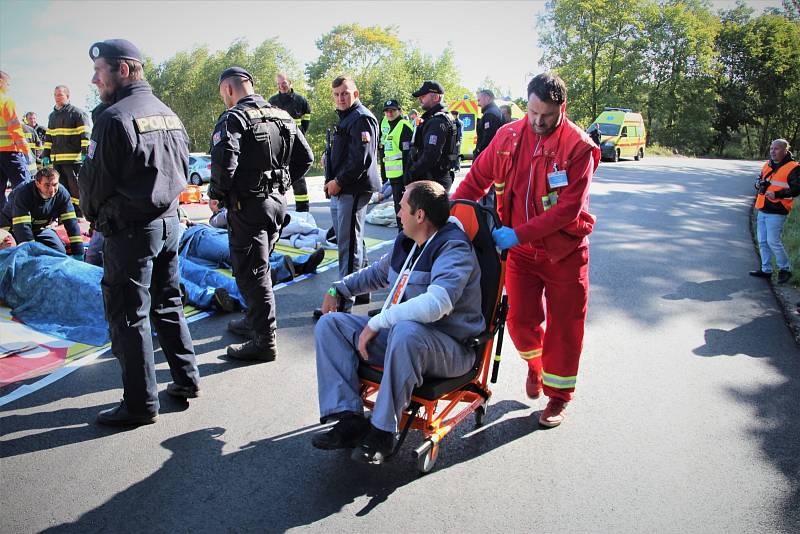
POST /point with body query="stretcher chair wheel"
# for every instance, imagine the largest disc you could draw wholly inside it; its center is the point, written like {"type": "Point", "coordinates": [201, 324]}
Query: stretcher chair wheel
{"type": "Point", "coordinates": [480, 413]}
{"type": "Point", "coordinates": [426, 454]}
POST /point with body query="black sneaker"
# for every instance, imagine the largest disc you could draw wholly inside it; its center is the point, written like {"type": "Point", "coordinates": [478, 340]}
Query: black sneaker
{"type": "Point", "coordinates": [183, 392]}
{"type": "Point", "coordinates": [345, 434]}
{"type": "Point", "coordinates": [761, 274]}
{"type": "Point", "coordinates": [375, 447]}
{"type": "Point", "coordinates": [262, 348]}
{"type": "Point", "coordinates": [223, 301]}
{"type": "Point", "coordinates": [120, 416]}
{"type": "Point", "coordinates": [311, 264]}
{"type": "Point", "coordinates": [784, 276]}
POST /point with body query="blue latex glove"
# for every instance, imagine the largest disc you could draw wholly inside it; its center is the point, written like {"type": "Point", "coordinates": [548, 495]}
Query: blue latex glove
{"type": "Point", "coordinates": [79, 257]}
{"type": "Point", "coordinates": [504, 237]}
{"type": "Point", "coordinates": [46, 161]}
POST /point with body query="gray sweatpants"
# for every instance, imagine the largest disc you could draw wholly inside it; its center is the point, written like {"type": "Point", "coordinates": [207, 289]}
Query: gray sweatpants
{"type": "Point", "coordinates": [406, 352]}
{"type": "Point", "coordinates": [348, 213]}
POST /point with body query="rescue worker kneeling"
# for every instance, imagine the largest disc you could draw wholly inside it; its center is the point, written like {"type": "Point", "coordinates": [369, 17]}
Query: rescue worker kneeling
{"type": "Point", "coordinates": [433, 305]}
{"type": "Point", "coordinates": [34, 205]}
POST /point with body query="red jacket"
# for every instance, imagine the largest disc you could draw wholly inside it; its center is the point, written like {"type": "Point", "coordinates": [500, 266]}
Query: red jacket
{"type": "Point", "coordinates": [563, 226]}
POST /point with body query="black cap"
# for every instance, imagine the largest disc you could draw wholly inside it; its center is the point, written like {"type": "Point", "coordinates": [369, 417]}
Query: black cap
{"type": "Point", "coordinates": [235, 71]}
{"type": "Point", "coordinates": [389, 104]}
{"type": "Point", "coordinates": [428, 86]}
{"type": "Point", "coordinates": [115, 49]}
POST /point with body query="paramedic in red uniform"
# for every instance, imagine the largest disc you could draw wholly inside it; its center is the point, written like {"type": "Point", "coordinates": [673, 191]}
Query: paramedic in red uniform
{"type": "Point", "coordinates": [541, 169]}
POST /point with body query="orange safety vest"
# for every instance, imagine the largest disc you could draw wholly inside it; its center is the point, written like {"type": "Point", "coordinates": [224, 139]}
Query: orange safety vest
{"type": "Point", "coordinates": [777, 180]}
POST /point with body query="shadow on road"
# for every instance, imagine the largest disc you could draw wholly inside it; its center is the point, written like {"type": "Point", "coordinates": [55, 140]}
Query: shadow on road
{"type": "Point", "coordinates": [776, 420]}
{"type": "Point", "coordinates": [278, 483]}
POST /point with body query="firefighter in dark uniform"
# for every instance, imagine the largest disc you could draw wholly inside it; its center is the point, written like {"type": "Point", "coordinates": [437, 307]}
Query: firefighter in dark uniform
{"type": "Point", "coordinates": [434, 144]}
{"type": "Point", "coordinates": [34, 204]}
{"type": "Point", "coordinates": [136, 165]}
{"type": "Point", "coordinates": [485, 129]}
{"type": "Point", "coordinates": [66, 141]}
{"type": "Point", "coordinates": [257, 152]}
{"type": "Point", "coordinates": [297, 107]}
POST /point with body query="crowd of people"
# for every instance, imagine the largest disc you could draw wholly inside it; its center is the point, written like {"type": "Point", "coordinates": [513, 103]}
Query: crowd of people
{"type": "Point", "coordinates": [125, 174]}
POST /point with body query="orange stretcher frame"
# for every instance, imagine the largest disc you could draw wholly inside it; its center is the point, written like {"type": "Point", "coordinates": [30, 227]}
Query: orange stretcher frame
{"type": "Point", "coordinates": [437, 410]}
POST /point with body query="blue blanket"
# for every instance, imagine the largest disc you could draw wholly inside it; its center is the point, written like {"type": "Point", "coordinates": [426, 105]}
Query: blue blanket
{"type": "Point", "coordinates": [54, 293]}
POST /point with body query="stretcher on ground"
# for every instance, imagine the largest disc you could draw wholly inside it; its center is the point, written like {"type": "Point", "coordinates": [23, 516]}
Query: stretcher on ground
{"type": "Point", "coordinates": [438, 405]}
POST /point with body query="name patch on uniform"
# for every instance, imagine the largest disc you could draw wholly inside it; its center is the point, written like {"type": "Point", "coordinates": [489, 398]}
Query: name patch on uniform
{"type": "Point", "coordinates": [365, 137]}
{"type": "Point", "coordinates": [91, 149]}
{"type": "Point", "coordinates": [269, 113]}
{"type": "Point", "coordinates": [432, 139]}
{"type": "Point", "coordinates": [406, 145]}
{"type": "Point", "coordinates": [156, 123]}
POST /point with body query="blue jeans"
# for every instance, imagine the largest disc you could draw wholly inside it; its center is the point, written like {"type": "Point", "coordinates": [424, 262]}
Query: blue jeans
{"type": "Point", "coordinates": [768, 229]}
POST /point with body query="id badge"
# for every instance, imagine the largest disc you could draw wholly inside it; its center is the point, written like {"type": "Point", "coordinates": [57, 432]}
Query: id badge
{"type": "Point", "coordinates": [557, 179]}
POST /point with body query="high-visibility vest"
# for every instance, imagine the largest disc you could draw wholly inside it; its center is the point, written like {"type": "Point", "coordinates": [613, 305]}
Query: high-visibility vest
{"type": "Point", "coordinates": [777, 180]}
{"type": "Point", "coordinates": [392, 151]}
{"type": "Point", "coordinates": [12, 137]}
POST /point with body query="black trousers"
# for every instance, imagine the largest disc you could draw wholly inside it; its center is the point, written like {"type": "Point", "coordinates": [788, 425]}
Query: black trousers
{"type": "Point", "coordinates": [68, 175]}
{"type": "Point", "coordinates": [253, 229]}
{"type": "Point", "coordinates": [140, 285]}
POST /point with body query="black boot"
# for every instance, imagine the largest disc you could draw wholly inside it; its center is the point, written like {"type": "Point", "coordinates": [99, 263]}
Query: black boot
{"type": "Point", "coordinates": [120, 416]}
{"type": "Point", "coordinates": [345, 434]}
{"type": "Point", "coordinates": [262, 348]}
{"type": "Point", "coordinates": [223, 301]}
{"type": "Point", "coordinates": [375, 448]}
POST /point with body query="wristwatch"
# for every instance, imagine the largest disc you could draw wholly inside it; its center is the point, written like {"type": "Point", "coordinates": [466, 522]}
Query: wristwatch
{"type": "Point", "coordinates": [332, 292]}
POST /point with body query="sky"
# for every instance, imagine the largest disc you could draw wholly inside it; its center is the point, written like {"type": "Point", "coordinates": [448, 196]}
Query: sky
{"type": "Point", "coordinates": [46, 43]}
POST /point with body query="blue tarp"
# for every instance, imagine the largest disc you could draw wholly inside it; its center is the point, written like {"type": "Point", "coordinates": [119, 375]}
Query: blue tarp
{"type": "Point", "coordinates": [54, 293]}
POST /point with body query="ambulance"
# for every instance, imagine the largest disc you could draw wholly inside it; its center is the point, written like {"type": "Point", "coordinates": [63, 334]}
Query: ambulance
{"type": "Point", "coordinates": [622, 134]}
{"type": "Point", "coordinates": [469, 112]}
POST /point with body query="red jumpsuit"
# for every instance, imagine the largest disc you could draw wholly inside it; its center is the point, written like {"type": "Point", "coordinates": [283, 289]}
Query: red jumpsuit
{"type": "Point", "coordinates": [552, 224]}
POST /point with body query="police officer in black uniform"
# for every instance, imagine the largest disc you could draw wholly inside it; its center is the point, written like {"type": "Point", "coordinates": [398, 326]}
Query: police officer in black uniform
{"type": "Point", "coordinates": [491, 120]}
{"type": "Point", "coordinates": [256, 153]}
{"type": "Point", "coordinates": [434, 144]}
{"type": "Point", "coordinates": [351, 176]}
{"type": "Point", "coordinates": [297, 106]}
{"type": "Point", "coordinates": [136, 166]}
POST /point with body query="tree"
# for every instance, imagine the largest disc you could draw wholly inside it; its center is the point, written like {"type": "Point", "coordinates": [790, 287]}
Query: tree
{"type": "Point", "coordinates": [188, 81]}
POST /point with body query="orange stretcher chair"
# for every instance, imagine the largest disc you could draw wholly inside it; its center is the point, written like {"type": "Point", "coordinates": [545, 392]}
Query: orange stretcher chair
{"type": "Point", "coordinates": [439, 404]}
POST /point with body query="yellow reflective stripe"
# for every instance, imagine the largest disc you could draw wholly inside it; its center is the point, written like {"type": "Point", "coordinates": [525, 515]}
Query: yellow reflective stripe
{"type": "Point", "coordinates": [306, 117]}
{"type": "Point", "coordinates": [530, 354]}
{"type": "Point", "coordinates": [6, 228]}
{"type": "Point", "coordinates": [48, 145]}
{"type": "Point", "coordinates": [67, 216]}
{"type": "Point", "coordinates": [75, 239]}
{"type": "Point", "coordinates": [75, 201]}
{"type": "Point", "coordinates": [41, 221]}
{"type": "Point", "coordinates": [84, 143]}
{"type": "Point", "coordinates": [72, 156]}
{"type": "Point", "coordinates": [67, 131]}
{"type": "Point", "coordinates": [22, 219]}
{"type": "Point", "coordinates": [559, 382]}
{"type": "Point", "coordinates": [301, 198]}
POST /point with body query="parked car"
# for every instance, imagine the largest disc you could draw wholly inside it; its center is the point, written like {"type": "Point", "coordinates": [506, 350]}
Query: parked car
{"type": "Point", "coordinates": [199, 168]}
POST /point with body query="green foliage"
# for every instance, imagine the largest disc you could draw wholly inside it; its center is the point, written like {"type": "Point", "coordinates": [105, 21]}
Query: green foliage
{"type": "Point", "coordinates": [187, 82]}
{"type": "Point", "coordinates": [383, 67]}
{"type": "Point", "coordinates": [726, 83]}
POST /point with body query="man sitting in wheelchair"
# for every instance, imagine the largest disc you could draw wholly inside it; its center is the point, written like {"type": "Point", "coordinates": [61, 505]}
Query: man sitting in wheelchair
{"type": "Point", "coordinates": [433, 306]}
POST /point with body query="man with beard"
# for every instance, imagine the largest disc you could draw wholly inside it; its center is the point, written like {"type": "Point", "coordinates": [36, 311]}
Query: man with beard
{"type": "Point", "coordinates": [137, 165]}
{"type": "Point", "coordinates": [434, 144]}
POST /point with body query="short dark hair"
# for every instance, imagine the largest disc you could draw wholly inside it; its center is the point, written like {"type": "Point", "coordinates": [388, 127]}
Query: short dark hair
{"type": "Point", "coordinates": [430, 197]}
{"type": "Point", "coordinates": [45, 172]}
{"type": "Point", "coordinates": [342, 79]}
{"type": "Point", "coordinates": [486, 92]}
{"type": "Point", "coordinates": [548, 87]}
{"type": "Point", "coordinates": [135, 68]}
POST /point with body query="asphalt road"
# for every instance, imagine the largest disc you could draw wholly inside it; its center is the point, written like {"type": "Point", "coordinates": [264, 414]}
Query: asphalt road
{"type": "Point", "coordinates": [686, 417]}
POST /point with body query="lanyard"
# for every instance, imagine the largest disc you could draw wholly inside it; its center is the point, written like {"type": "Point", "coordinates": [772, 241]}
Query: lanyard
{"type": "Point", "coordinates": [399, 287]}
